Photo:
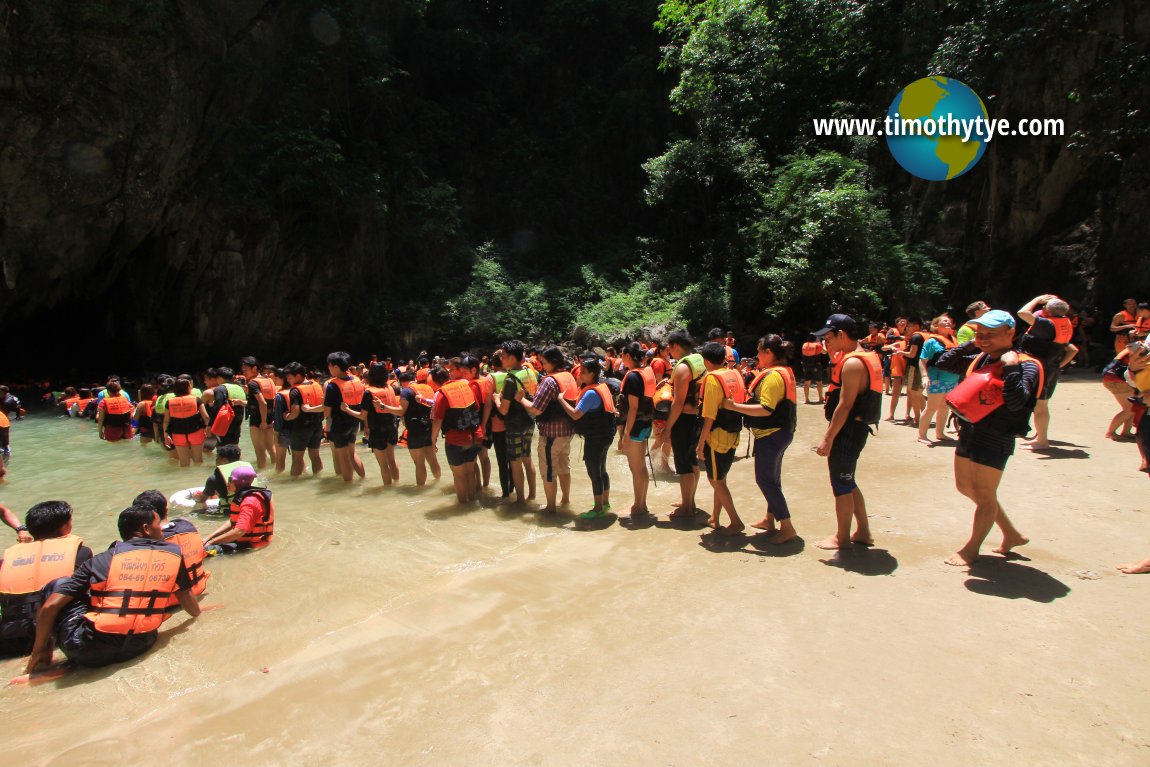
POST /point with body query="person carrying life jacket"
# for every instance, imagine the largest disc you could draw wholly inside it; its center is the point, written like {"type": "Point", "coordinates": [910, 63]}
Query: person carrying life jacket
{"type": "Point", "coordinates": [342, 389]}
{"type": "Point", "coordinates": [226, 402]}
{"type": "Point", "coordinates": [26, 568]}
{"type": "Point", "coordinates": [555, 426]}
{"type": "Point", "coordinates": [719, 436]}
{"type": "Point", "coordinates": [109, 609]}
{"type": "Point", "coordinates": [456, 413]}
{"type": "Point", "coordinates": [993, 404]}
{"type": "Point", "coordinates": [251, 516]}
{"type": "Point", "coordinates": [854, 404]}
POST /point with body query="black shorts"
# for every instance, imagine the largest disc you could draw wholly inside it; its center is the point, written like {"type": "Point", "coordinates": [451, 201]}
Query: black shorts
{"type": "Point", "coordinates": [458, 455]}
{"type": "Point", "coordinates": [843, 459]}
{"type": "Point", "coordinates": [986, 448]}
{"type": "Point", "coordinates": [684, 438]}
{"type": "Point", "coordinates": [1050, 381]}
{"type": "Point", "coordinates": [811, 369]}
{"type": "Point", "coordinates": [717, 464]}
{"type": "Point", "coordinates": [85, 646]}
{"type": "Point", "coordinates": [344, 435]}
{"type": "Point", "coordinates": [418, 437]}
{"type": "Point", "coordinates": [304, 436]}
{"type": "Point", "coordinates": [382, 439]}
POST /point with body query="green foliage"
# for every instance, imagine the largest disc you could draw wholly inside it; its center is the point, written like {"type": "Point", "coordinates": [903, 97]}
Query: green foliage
{"type": "Point", "coordinates": [825, 240]}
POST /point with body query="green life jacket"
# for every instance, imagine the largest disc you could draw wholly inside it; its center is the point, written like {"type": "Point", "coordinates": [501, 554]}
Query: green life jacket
{"type": "Point", "coordinates": [698, 370]}
{"type": "Point", "coordinates": [235, 391]}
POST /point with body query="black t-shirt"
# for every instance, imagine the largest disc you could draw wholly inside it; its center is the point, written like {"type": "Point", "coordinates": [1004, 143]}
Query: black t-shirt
{"type": "Point", "coordinates": [379, 423]}
{"type": "Point", "coordinates": [917, 342]}
{"type": "Point", "coordinates": [1039, 343]}
{"type": "Point", "coordinates": [633, 386]}
{"type": "Point", "coordinates": [418, 415]}
{"type": "Point", "coordinates": [254, 404]}
{"type": "Point", "coordinates": [308, 420]}
{"type": "Point", "coordinates": [517, 417]}
{"type": "Point", "coordinates": [333, 398]}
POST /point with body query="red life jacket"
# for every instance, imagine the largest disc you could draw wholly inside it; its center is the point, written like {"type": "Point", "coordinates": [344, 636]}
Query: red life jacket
{"type": "Point", "coordinates": [812, 349]}
{"type": "Point", "coordinates": [263, 528]}
{"type": "Point", "coordinates": [980, 393]}
{"type": "Point", "coordinates": [134, 598]}
{"type": "Point", "coordinates": [223, 420]}
{"type": "Point", "coordinates": [1063, 329]}
{"type": "Point", "coordinates": [351, 389]}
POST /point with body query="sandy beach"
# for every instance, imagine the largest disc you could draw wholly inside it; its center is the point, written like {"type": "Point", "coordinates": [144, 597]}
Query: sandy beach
{"type": "Point", "coordinates": [674, 646]}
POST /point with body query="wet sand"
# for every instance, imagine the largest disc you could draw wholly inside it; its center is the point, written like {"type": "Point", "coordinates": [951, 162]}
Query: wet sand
{"type": "Point", "coordinates": [668, 645]}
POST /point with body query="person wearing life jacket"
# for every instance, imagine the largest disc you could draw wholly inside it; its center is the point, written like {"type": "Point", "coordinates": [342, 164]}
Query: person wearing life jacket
{"type": "Point", "coordinates": [1048, 340]}
{"type": "Point", "coordinates": [216, 486]}
{"type": "Point", "coordinates": [1114, 381]}
{"type": "Point", "coordinates": [731, 357]}
{"type": "Point", "coordinates": [380, 412]}
{"type": "Point", "coordinates": [251, 517]}
{"type": "Point", "coordinates": [771, 412]}
{"type": "Point", "coordinates": [109, 610]}
{"type": "Point", "coordinates": [182, 532]}
{"type": "Point", "coordinates": [70, 398]}
{"type": "Point", "coordinates": [555, 425]}
{"type": "Point", "coordinates": [114, 419]}
{"type": "Point", "coordinates": [343, 389]}
{"type": "Point", "coordinates": [812, 368]}
{"type": "Point", "coordinates": [278, 408]}
{"type": "Point", "coordinates": [261, 391]}
{"type": "Point", "coordinates": [184, 420]}
{"type": "Point", "coordinates": [938, 383]}
{"type": "Point", "coordinates": [50, 552]}
{"type": "Point", "coordinates": [224, 396]}
{"type": "Point", "coordinates": [164, 386]}
{"type": "Point", "coordinates": [911, 354]}
{"type": "Point", "coordinates": [493, 425]}
{"type": "Point", "coordinates": [1123, 322]}
{"type": "Point", "coordinates": [467, 367]}
{"type": "Point", "coordinates": [637, 411]}
{"type": "Point", "coordinates": [456, 414]}
{"type": "Point", "coordinates": [682, 429]}
{"type": "Point", "coordinates": [303, 421]}
{"type": "Point", "coordinates": [85, 406]}
{"type": "Point", "coordinates": [973, 312]}
{"type": "Point", "coordinates": [415, 400]}
{"type": "Point", "coordinates": [144, 412]}
{"type": "Point", "coordinates": [993, 404]}
{"type": "Point", "coordinates": [1138, 376]}
{"type": "Point", "coordinates": [519, 425]}
{"type": "Point", "coordinates": [1141, 329]}
{"type": "Point", "coordinates": [854, 404]}
{"type": "Point", "coordinates": [719, 436]}
{"type": "Point", "coordinates": [593, 418]}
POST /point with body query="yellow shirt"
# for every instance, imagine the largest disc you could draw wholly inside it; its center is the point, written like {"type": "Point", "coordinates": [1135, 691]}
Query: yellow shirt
{"type": "Point", "coordinates": [772, 391]}
{"type": "Point", "coordinates": [720, 441]}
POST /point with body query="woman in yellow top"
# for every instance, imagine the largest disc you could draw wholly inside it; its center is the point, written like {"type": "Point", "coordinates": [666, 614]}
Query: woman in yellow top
{"type": "Point", "coordinates": [720, 434]}
{"type": "Point", "coordinates": [771, 413]}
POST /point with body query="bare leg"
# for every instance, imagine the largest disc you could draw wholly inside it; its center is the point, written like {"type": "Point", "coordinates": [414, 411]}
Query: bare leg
{"type": "Point", "coordinates": [723, 499]}
{"type": "Point", "coordinates": [485, 465]}
{"type": "Point", "coordinates": [184, 454]}
{"type": "Point", "coordinates": [297, 462]}
{"type": "Point", "coordinates": [316, 460]}
{"type": "Point", "coordinates": [896, 393]}
{"type": "Point", "coordinates": [529, 470]}
{"type": "Point", "coordinates": [1041, 425]}
{"type": "Point", "coordinates": [517, 480]}
{"type": "Point", "coordinates": [459, 476]}
{"type": "Point", "coordinates": [433, 461]}
{"type": "Point", "coordinates": [392, 466]}
{"type": "Point", "coordinates": [565, 488]}
{"type": "Point", "coordinates": [844, 514]}
{"type": "Point", "coordinates": [687, 485]}
{"type": "Point", "coordinates": [197, 454]}
{"type": "Point", "coordinates": [420, 460]}
{"type": "Point", "coordinates": [384, 469]}
{"type": "Point", "coordinates": [640, 480]}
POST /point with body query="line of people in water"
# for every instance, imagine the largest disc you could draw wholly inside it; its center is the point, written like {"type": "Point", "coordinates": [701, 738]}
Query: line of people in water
{"type": "Point", "coordinates": [696, 401]}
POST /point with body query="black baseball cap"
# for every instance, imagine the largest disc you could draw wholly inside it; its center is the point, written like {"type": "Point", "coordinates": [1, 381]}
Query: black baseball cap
{"type": "Point", "coordinates": [838, 322]}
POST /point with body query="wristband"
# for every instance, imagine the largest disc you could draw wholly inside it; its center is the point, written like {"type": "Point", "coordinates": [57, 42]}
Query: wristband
{"type": "Point", "coordinates": [22, 529]}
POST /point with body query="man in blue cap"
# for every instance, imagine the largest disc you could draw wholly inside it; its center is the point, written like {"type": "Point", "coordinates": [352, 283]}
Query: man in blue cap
{"type": "Point", "coordinates": [993, 404]}
{"type": "Point", "coordinates": [854, 404]}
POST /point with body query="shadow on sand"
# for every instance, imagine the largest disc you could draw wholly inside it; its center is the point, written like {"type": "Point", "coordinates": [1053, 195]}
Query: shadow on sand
{"type": "Point", "coordinates": [864, 560]}
{"type": "Point", "coordinates": [1008, 579]}
{"type": "Point", "coordinates": [759, 544]}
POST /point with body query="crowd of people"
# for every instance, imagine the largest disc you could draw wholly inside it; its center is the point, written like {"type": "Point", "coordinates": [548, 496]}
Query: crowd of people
{"type": "Point", "coordinates": [687, 403]}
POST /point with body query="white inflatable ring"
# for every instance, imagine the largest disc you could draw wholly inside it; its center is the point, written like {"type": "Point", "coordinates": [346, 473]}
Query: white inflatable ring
{"type": "Point", "coordinates": [183, 499]}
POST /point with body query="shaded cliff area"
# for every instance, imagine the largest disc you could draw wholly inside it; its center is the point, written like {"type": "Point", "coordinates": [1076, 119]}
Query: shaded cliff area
{"type": "Point", "coordinates": [183, 182]}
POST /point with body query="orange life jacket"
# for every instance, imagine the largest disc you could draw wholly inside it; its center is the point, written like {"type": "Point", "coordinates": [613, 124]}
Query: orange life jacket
{"type": "Point", "coordinates": [784, 414]}
{"type": "Point", "coordinates": [948, 343]}
{"type": "Point", "coordinates": [186, 406]}
{"type": "Point", "coordinates": [134, 598]}
{"type": "Point", "coordinates": [311, 394]}
{"type": "Point", "coordinates": [351, 389]}
{"type": "Point", "coordinates": [604, 393]}
{"type": "Point", "coordinates": [149, 407]}
{"type": "Point", "coordinates": [384, 394]}
{"type": "Point", "coordinates": [117, 405]}
{"type": "Point", "coordinates": [649, 383]}
{"type": "Point", "coordinates": [812, 349]}
{"type": "Point", "coordinates": [267, 387]}
{"type": "Point", "coordinates": [1063, 329]}
{"type": "Point", "coordinates": [462, 409]}
{"type": "Point", "coordinates": [980, 393]}
{"type": "Point", "coordinates": [83, 403]}
{"type": "Point", "coordinates": [29, 567]}
{"type": "Point", "coordinates": [69, 402]}
{"type": "Point", "coordinates": [423, 391]}
{"type": "Point", "coordinates": [192, 550]}
{"type": "Point", "coordinates": [568, 387]}
{"type": "Point", "coordinates": [868, 404]}
{"type": "Point", "coordinates": [263, 528]}
{"type": "Point", "coordinates": [734, 390]}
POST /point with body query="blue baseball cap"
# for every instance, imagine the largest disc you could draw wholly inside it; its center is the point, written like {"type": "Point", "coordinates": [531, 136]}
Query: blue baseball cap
{"type": "Point", "coordinates": [995, 318]}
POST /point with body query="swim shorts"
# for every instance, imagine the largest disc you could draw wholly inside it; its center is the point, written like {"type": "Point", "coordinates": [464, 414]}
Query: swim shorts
{"type": "Point", "coordinates": [986, 448]}
{"type": "Point", "coordinates": [382, 439]}
{"type": "Point", "coordinates": [717, 464]}
{"type": "Point", "coordinates": [1051, 374]}
{"type": "Point", "coordinates": [344, 435]}
{"type": "Point", "coordinates": [458, 455]}
{"type": "Point", "coordinates": [913, 376]}
{"type": "Point", "coordinates": [519, 444]}
{"type": "Point", "coordinates": [843, 459]}
{"type": "Point", "coordinates": [641, 431]}
{"type": "Point", "coordinates": [305, 437]}
{"type": "Point", "coordinates": [811, 369]}
{"type": "Point", "coordinates": [684, 438]}
{"type": "Point", "coordinates": [184, 440]}
{"type": "Point", "coordinates": [117, 433]}
{"type": "Point", "coordinates": [418, 437]}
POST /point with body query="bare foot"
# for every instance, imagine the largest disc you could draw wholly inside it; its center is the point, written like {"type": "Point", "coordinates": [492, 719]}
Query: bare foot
{"type": "Point", "coordinates": [713, 523]}
{"type": "Point", "coordinates": [546, 510]}
{"type": "Point", "coordinates": [766, 525]}
{"type": "Point", "coordinates": [924, 441]}
{"type": "Point", "coordinates": [864, 540]}
{"type": "Point", "coordinates": [784, 535]}
{"type": "Point", "coordinates": [1010, 543]}
{"type": "Point", "coordinates": [831, 543]}
{"type": "Point", "coordinates": [960, 559]}
{"type": "Point", "coordinates": [1135, 568]}
{"type": "Point", "coordinates": [683, 512]}
{"type": "Point", "coordinates": [1036, 446]}
{"type": "Point", "coordinates": [734, 528]}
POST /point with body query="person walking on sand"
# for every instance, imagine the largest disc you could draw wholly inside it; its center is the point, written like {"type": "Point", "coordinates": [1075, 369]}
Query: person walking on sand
{"type": "Point", "coordinates": [993, 404]}
{"type": "Point", "coordinates": [854, 404]}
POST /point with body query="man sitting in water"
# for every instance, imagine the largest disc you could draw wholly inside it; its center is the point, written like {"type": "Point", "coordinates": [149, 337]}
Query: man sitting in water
{"type": "Point", "coordinates": [227, 459]}
{"type": "Point", "coordinates": [109, 610]}
{"type": "Point", "coordinates": [27, 567]}
{"type": "Point", "coordinates": [182, 533]}
{"type": "Point", "coordinates": [251, 516]}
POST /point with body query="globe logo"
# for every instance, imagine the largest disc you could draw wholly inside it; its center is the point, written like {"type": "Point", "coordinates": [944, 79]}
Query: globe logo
{"type": "Point", "coordinates": [926, 125]}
